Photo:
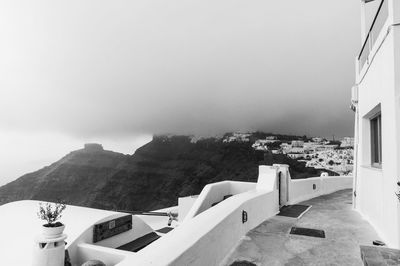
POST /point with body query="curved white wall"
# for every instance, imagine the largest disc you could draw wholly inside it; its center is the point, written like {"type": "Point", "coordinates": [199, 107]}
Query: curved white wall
{"type": "Point", "coordinates": [302, 189]}
{"type": "Point", "coordinates": [83, 248]}
{"type": "Point", "coordinates": [78, 220]}
{"type": "Point", "coordinates": [305, 189]}
{"type": "Point", "coordinates": [208, 237]}
{"type": "Point", "coordinates": [205, 239]}
{"type": "Point", "coordinates": [110, 257]}
{"type": "Point", "coordinates": [215, 192]}
{"type": "Point", "coordinates": [308, 188]}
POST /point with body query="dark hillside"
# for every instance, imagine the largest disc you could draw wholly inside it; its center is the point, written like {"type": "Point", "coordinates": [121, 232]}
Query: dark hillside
{"type": "Point", "coordinates": [152, 178]}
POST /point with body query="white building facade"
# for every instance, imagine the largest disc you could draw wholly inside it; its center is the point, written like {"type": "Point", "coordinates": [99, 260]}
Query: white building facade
{"type": "Point", "coordinates": [376, 102]}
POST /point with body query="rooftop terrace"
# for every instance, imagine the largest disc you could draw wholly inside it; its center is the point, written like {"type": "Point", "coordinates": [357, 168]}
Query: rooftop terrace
{"type": "Point", "coordinates": [212, 228]}
{"type": "Point", "coordinates": [272, 244]}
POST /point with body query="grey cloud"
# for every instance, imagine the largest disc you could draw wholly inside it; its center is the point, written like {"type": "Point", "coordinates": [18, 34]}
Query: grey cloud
{"type": "Point", "coordinates": [92, 68]}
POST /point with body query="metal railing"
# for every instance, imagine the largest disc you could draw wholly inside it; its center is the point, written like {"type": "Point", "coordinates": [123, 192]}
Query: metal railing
{"type": "Point", "coordinates": [377, 24]}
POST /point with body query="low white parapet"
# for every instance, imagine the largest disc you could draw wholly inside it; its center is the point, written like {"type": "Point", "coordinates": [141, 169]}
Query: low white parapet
{"type": "Point", "coordinates": [305, 189]}
{"type": "Point", "coordinates": [214, 193]}
{"type": "Point", "coordinates": [207, 238]}
{"type": "Point", "coordinates": [266, 177]}
{"type": "Point", "coordinates": [184, 206]}
{"type": "Point", "coordinates": [208, 232]}
{"type": "Point", "coordinates": [108, 256]}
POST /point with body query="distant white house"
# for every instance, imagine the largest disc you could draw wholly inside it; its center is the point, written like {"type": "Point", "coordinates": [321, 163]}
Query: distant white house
{"type": "Point", "coordinates": [347, 142]}
{"type": "Point", "coordinates": [376, 102]}
{"type": "Point", "coordinates": [238, 137]}
{"type": "Point", "coordinates": [330, 147]}
{"type": "Point", "coordinates": [317, 139]}
{"type": "Point", "coordinates": [261, 145]}
{"type": "Point", "coordinates": [297, 143]}
{"type": "Point", "coordinates": [295, 155]}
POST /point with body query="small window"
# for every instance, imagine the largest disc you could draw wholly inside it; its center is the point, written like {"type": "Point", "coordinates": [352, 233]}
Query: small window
{"type": "Point", "coordinates": [376, 140]}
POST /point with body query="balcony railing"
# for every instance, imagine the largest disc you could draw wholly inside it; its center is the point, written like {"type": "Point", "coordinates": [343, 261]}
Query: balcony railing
{"type": "Point", "coordinates": [377, 24]}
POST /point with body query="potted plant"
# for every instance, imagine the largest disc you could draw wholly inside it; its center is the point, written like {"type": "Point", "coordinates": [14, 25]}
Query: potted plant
{"type": "Point", "coordinates": [51, 213]}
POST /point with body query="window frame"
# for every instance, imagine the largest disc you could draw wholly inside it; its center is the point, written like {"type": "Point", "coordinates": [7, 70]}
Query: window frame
{"type": "Point", "coordinates": [376, 140]}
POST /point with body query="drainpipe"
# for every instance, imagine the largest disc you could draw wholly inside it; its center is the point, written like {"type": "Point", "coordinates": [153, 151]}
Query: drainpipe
{"type": "Point", "coordinates": [354, 107]}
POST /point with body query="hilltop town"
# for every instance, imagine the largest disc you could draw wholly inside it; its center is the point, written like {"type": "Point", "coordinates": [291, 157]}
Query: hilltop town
{"type": "Point", "coordinates": [317, 152]}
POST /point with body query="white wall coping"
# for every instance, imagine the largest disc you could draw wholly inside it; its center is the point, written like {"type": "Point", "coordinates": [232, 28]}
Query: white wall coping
{"type": "Point", "coordinates": [223, 187]}
{"type": "Point", "coordinates": [171, 246]}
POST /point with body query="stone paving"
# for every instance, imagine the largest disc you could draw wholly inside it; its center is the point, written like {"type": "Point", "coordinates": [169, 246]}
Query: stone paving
{"type": "Point", "coordinates": [271, 244]}
{"type": "Point", "coordinates": [380, 256]}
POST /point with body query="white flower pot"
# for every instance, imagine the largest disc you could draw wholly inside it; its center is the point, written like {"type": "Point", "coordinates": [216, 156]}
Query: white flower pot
{"type": "Point", "coordinates": [52, 232]}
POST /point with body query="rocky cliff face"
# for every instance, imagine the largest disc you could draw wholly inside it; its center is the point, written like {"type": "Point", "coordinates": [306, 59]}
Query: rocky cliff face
{"type": "Point", "coordinates": [154, 177]}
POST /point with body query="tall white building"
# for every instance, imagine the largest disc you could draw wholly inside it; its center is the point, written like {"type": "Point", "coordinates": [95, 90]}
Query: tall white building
{"type": "Point", "coordinates": [376, 102]}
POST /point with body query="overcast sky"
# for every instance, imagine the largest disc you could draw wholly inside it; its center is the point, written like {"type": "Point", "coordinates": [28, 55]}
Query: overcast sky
{"type": "Point", "coordinates": [118, 71]}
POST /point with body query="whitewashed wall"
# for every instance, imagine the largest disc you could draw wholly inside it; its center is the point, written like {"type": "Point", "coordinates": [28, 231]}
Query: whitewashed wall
{"type": "Point", "coordinates": [110, 257]}
{"type": "Point", "coordinates": [396, 32]}
{"type": "Point", "coordinates": [82, 248]}
{"type": "Point", "coordinates": [215, 192]}
{"type": "Point", "coordinates": [185, 204]}
{"type": "Point", "coordinates": [203, 240]}
{"type": "Point", "coordinates": [380, 84]}
{"type": "Point", "coordinates": [305, 189]}
{"type": "Point", "coordinates": [208, 237]}
{"type": "Point", "coordinates": [302, 189]}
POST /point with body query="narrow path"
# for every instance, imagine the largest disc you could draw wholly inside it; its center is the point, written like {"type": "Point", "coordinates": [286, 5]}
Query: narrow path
{"type": "Point", "coordinates": [271, 244]}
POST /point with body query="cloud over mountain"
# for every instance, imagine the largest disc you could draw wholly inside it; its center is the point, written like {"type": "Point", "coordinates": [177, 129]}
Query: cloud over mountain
{"type": "Point", "coordinates": [95, 68]}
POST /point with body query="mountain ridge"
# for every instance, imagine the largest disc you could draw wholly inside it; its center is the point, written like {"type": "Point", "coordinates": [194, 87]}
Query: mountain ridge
{"type": "Point", "coordinates": [153, 177]}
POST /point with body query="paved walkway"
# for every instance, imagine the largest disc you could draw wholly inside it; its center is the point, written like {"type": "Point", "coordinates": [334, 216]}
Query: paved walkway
{"type": "Point", "coordinates": [271, 244]}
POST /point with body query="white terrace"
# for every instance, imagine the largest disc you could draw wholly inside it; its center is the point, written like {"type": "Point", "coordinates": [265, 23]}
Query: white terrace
{"type": "Point", "coordinates": [208, 229]}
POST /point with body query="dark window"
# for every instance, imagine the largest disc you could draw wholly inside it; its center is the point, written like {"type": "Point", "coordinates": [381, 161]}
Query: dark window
{"type": "Point", "coordinates": [376, 140]}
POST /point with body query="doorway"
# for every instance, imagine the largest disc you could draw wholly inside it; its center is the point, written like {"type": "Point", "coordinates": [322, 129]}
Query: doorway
{"type": "Point", "coordinates": [283, 189]}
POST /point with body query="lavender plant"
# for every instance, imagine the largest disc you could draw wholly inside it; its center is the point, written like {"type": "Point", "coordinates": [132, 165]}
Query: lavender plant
{"type": "Point", "coordinates": [51, 213]}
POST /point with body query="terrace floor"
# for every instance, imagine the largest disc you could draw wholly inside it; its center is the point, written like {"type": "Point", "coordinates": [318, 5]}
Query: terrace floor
{"type": "Point", "coordinates": [271, 244]}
